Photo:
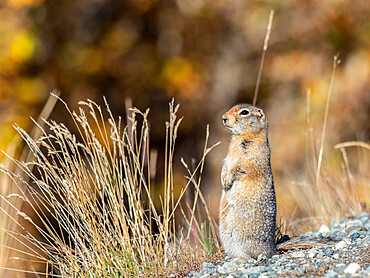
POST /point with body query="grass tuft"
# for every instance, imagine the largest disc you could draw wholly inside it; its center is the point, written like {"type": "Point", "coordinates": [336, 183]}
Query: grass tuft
{"type": "Point", "coordinates": [92, 201]}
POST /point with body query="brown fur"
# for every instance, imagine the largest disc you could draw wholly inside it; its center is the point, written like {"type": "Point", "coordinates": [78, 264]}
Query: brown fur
{"type": "Point", "coordinates": [305, 243]}
{"type": "Point", "coordinates": [248, 203]}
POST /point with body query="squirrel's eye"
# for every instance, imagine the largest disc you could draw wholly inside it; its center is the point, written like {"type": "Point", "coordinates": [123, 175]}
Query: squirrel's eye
{"type": "Point", "coordinates": [244, 112]}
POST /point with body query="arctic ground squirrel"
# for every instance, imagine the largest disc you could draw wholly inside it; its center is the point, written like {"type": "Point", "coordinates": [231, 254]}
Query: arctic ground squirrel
{"type": "Point", "coordinates": [248, 202]}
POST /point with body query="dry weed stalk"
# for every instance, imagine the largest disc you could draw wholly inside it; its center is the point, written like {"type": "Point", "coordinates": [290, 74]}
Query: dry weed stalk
{"type": "Point", "coordinates": [264, 50]}
{"type": "Point", "coordinates": [336, 61]}
{"type": "Point", "coordinates": [92, 197]}
{"type": "Point", "coordinates": [330, 189]}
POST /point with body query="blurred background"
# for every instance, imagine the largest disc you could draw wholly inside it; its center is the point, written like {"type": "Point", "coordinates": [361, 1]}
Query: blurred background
{"type": "Point", "coordinates": [206, 55]}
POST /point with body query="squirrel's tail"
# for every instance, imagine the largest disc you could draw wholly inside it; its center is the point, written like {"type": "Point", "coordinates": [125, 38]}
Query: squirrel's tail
{"type": "Point", "coordinates": [305, 242]}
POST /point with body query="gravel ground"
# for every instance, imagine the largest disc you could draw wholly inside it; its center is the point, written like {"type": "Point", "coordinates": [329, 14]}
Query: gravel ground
{"type": "Point", "coordinates": [349, 257]}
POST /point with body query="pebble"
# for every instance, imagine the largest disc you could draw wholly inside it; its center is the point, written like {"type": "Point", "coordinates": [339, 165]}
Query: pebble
{"type": "Point", "coordinates": [312, 254]}
{"type": "Point", "coordinates": [227, 267]}
{"type": "Point", "coordinates": [340, 245]}
{"type": "Point", "coordinates": [207, 264]}
{"type": "Point", "coordinates": [345, 258]}
{"type": "Point", "coordinates": [340, 267]}
{"type": "Point", "coordinates": [324, 229]}
{"type": "Point", "coordinates": [337, 235]}
{"type": "Point", "coordinates": [328, 252]}
{"type": "Point", "coordinates": [354, 234]}
{"type": "Point", "coordinates": [355, 227]}
{"type": "Point", "coordinates": [331, 274]}
{"type": "Point", "coordinates": [352, 268]}
{"type": "Point", "coordinates": [298, 254]}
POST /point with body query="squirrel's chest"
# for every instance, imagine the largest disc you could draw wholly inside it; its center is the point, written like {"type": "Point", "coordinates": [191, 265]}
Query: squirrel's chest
{"type": "Point", "coordinates": [230, 162]}
{"type": "Point", "coordinates": [235, 156]}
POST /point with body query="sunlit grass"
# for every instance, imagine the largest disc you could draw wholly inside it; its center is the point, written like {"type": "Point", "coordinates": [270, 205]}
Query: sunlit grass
{"type": "Point", "coordinates": [92, 198]}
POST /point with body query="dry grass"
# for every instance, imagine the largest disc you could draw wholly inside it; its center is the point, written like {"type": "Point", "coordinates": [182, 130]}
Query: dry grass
{"type": "Point", "coordinates": [191, 259]}
{"type": "Point", "coordinates": [93, 202]}
{"type": "Point", "coordinates": [329, 190]}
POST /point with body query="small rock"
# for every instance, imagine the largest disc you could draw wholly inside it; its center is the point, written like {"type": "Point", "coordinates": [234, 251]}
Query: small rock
{"type": "Point", "coordinates": [207, 271]}
{"type": "Point", "coordinates": [283, 259]}
{"type": "Point", "coordinates": [363, 216]}
{"type": "Point", "coordinates": [253, 275]}
{"type": "Point", "coordinates": [298, 254]}
{"type": "Point", "coordinates": [312, 254]}
{"type": "Point", "coordinates": [337, 235]}
{"type": "Point", "coordinates": [354, 234]}
{"type": "Point", "coordinates": [340, 245]}
{"type": "Point", "coordinates": [340, 267]}
{"type": "Point", "coordinates": [259, 269]}
{"type": "Point", "coordinates": [207, 264]}
{"type": "Point", "coordinates": [328, 252]}
{"type": "Point", "coordinates": [336, 256]}
{"type": "Point", "coordinates": [228, 267]}
{"type": "Point", "coordinates": [355, 227]}
{"type": "Point", "coordinates": [324, 229]}
{"type": "Point", "coordinates": [331, 274]}
{"type": "Point", "coordinates": [352, 268]}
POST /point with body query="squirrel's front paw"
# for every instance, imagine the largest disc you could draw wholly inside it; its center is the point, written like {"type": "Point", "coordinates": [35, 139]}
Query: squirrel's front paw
{"type": "Point", "coordinates": [227, 181]}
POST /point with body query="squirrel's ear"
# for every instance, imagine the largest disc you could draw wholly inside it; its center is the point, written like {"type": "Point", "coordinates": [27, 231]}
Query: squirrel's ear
{"type": "Point", "coordinates": [260, 114]}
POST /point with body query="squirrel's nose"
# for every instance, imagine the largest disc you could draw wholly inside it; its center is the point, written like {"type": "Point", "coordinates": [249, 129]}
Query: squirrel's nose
{"type": "Point", "coordinates": [224, 119]}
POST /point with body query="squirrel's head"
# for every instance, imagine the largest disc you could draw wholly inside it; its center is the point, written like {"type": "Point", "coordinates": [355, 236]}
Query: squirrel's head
{"type": "Point", "coordinates": [244, 119]}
